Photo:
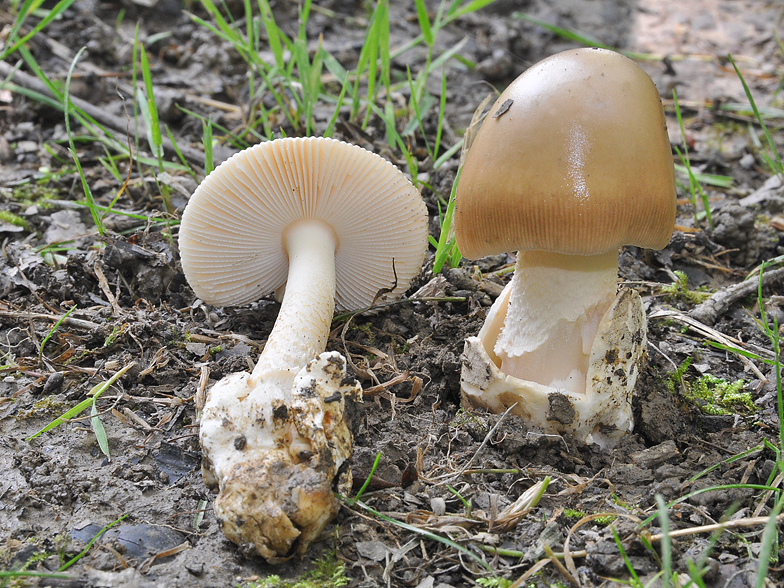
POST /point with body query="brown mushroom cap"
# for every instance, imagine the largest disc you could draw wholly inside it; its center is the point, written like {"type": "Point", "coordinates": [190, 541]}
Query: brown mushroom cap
{"type": "Point", "coordinates": [232, 232]}
{"type": "Point", "coordinates": [573, 158]}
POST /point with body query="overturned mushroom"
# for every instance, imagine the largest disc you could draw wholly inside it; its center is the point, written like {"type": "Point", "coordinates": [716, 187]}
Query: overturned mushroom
{"type": "Point", "coordinates": [333, 224]}
{"type": "Point", "coordinates": [572, 162]}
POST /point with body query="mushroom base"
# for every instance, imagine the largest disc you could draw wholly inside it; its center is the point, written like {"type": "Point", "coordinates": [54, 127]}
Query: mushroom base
{"type": "Point", "coordinates": [276, 467]}
{"type": "Point", "coordinates": [603, 414]}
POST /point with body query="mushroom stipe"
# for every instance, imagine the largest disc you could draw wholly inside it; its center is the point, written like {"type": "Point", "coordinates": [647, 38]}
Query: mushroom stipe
{"type": "Point", "coordinates": [328, 224]}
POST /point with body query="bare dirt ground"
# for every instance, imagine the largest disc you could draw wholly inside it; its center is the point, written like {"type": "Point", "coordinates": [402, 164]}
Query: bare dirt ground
{"type": "Point", "coordinates": [133, 305]}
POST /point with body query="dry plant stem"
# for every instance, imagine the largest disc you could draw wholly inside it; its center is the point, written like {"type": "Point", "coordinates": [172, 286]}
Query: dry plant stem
{"type": "Point", "coordinates": [534, 569]}
{"type": "Point", "coordinates": [738, 524]}
{"type": "Point", "coordinates": [709, 311]}
{"type": "Point", "coordinates": [549, 551]}
{"type": "Point", "coordinates": [711, 333]}
{"type": "Point", "coordinates": [74, 322]}
{"type": "Point", "coordinates": [462, 471]}
{"type": "Point", "coordinates": [567, 554]}
{"type": "Point", "coordinates": [555, 305]}
{"type": "Point", "coordinates": [103, 283]}
{"type": "Point", "coordinates": [109, 121]}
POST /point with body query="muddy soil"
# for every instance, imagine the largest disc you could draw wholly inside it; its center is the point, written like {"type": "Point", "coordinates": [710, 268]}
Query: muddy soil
{"type": "Point", "coordinates": [127, 303]}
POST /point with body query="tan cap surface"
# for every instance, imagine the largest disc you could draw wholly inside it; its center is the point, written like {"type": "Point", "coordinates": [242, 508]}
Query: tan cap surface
{"type": "Point", "coordinates": [231, 237]}
{"type": "Point", "coordinates": [573, 158]}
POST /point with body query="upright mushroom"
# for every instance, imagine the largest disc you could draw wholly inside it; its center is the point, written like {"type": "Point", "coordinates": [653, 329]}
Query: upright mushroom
{"type": "Point", "coordinates": [333, 224]}
{"type": "Point", "coordinates": [572, 162]}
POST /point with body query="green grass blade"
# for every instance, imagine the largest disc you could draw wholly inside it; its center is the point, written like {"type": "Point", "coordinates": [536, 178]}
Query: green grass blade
{"type": "Point", "coordinates": [332, 121]}
{"type": "Point", "coordinates": [224, 28]}
{"type": "Point", "coordinates": [250, 26]}
{"type": "Point", "coordinates": [27, 8]}
{"type": "Point", "coordinates": [447, 155]}
{"type": "Point", "coordinates": [734, 458]}
{"type": "Point", "coordinates": [709, 179]}
{"type": "Point", "coordinates": [207, 142]}
{"type": "Point", "coordinates": [273, 32]}
{"type": "Point", "coordinates": [84, 551]}
{"type": "Point", "coordinates": [180, 156]}
{"type": "Point", "coordinates": [445, 244]}
{"type": "Point", "coordinates": [764, 111]}
{"type": "Point", "coordinates": [25, 574]}
{"type": "Point", "coordinates": [154, 129]}
{"type": "Point", "coordinates": [439, 61]}
{"type": "Point", "coordinates": [395, 140]}
{"type": "Point", "coordinates": [778, 167]}
{"type": "Point", "coordinates": [66, 110]}
{"type": "Point", "coordinates": [694, 185]}
{"type": "Point", "coordinates": [94, 393]}
{"type": "Point", "coordinates": [383, 43]}
{"type": "Point", "coordinates": [666, 541]}
{"type": "Point", "coordinates": [58, 9]}
{"type": "Point", "coordinates": [629, 566]}
{"type": "Point", "coordinates": [140, 217]}
{"type": "Point", "coordinates": [424, 23]}
{"type": "Point", "coordinates": [369, 477]}
{"type": "Point", "coordinates": [372, 63]}
{"type": "Point", "coordinates": [441, 114]}
{"type": "Point", "coordinates": [36, 69]}
{"type": "Point", "coordinates": [304, 14]}
{"type": "Point", "coordinates": [423, 533]}
{"type": "Point", "coordinates": [52, 331]}
{"type": "Point", "coordinates": [472, 6]}
{"type": "Point", "coordinates": [578, 37]}
{"type": "Point", "coordinates": [569, 34]}
{"type": "Point", "coordinates": [235, 140]}
{"type": "Point", "coordinates": [100, 432]}
{"type": "Point", "coordinates": [685, 497]}
{"type": "Point", "coordinates": [770, 541]}
{"type": "Point", "coordinates": [418, 120]}
{"type": "Point", "coordinates": [333, 66]}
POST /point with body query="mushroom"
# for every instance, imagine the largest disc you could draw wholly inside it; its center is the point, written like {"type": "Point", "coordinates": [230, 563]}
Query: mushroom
{"type": "Point", "coordinates": [572, 162]}
{"type": "Point", "coordinates": [329, 224]}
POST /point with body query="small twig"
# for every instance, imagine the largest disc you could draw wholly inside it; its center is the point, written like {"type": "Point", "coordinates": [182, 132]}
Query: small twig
{"type": "Point", "coordinates": [103, 283]}
{"type": "Point", "coordinates": [137, 419]}
{"type": "Point", "coordinates": [711, 333]}
{"type": "Point", "coordinates": [738, 524]}
{"type": "Point", "coordinates": [561, 568]}
{"type": "Point", "coordinates": [487, 438]}
{"type": "Point", "coordinates": [345, 315]}
{"type": "Point", "coordinates": [521, 581]}
{"type": "Point", "coordinates": [201, 390]}
{"type": "Point", "coordinates": [144, 568]}
{"type": "Point", "coordinates": [709, 311]}
{"type": "Point", "coordinates": [74, 322]}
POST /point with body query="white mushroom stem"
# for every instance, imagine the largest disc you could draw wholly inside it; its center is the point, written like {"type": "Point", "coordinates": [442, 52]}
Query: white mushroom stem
{"type": "Point", "coordinates": [555, 304]}
{"type": "Point", "coordinates": [302, 327]}
{"type": "Point", "coordinates": [274, 441]}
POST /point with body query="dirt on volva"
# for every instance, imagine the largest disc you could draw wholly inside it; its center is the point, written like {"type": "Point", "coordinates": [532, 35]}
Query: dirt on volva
{"type": "Point", "coordinates": [127, 302]}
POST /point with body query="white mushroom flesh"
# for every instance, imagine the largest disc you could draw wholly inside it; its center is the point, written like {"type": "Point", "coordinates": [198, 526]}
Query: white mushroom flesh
{"type": "Point", "coordinates": [555, 304]}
